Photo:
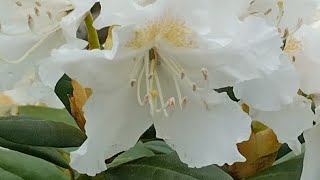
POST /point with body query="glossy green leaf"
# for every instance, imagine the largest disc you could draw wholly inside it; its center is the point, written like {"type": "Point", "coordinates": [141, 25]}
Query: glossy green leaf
{"type": "Point", "coordinates": [136, 152]}
{"type": "Point", "coordinates": [45, 153]}
{"type": "Point", "coordinates": [35, 132]}
{"type": "Point", "coordinates": [18, 166]}
{"type": "Point", "coordinates": [289, 170]}
{"type": "Point", "coordinates": [46, 113]}
{"type": "Point", "coordinates": [162, 167]}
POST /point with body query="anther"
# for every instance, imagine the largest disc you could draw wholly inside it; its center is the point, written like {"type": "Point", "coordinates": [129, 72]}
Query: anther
{"type": "Point", "coordinates": [38, 3]}
{"type": "Point", "coordinates": [184, 101]}
{"type": "Point", "coordinates": [194, 87]}
{"type": "Point", "coordinates": [49, 15]}
{"type": "Point", "coordinates": [206, 105]}
{"type": "Point", "coordinates": [182, 74]}
{"type": "Point", "coordinates": [36, 11]}
{"type": "Point", "coordinates": [133, 82]}
{"type": "Point", "coordinates": [205, 73]}
{"type": "Point", "coordinates": [171, 102]}
{"type": "Point", "coordinates": [268, 12]}
{"type": "Point", "coordinates": [18, 3]}
{"type": "Point", "coordinates": [146, 98]}
{"type": "Point", "coordinates": [30, 22]}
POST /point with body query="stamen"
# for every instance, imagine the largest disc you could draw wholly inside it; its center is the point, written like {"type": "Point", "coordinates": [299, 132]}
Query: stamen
{"type": "Point", "coordinates": [178, 90]}
{"type": "Point", "coordinates": [34, 47]}
{"type": "Point", "coordinates": [136, 67]}
{"type": "Point", "coordinates": [160, 93]}
{"type": "Point", "coordinates": [205, 73]}
{"type": "Point", "coordinates": [139, 86]}
{"type": "Point", "coordinates": [147, 66]}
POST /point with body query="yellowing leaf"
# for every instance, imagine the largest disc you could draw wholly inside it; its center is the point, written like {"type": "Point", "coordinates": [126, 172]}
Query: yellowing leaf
{"type": "Point", "coordinates": [77, 101]}
{"type": "Point", "coordinates": [260, 151]}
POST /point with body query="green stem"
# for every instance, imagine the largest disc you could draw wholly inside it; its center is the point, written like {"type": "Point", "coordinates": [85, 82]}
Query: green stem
{"type": "Point", "coordinates": [93, 37]}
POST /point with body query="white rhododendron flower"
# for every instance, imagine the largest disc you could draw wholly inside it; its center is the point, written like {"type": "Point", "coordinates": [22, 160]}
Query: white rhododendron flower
{"type": "Point", "coordinates": [29, 31]}
{"type": "Point", "coordinates": [166, 59]}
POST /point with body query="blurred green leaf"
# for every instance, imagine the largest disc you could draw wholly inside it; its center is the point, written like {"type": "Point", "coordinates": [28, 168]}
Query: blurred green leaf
{"type": "Point", "coordinates": [45, 153]}
{"type": "Point", "coordinates": [164, 167]}
{"type": "Point", "coordinates": [289, 170]}
{"type": "Point", "coordinates": [159, 147]}
{"type": "Point", "coordinates": [46, 113]}
{"type": "Point", "coordinates": [136, 152]}
{"type": "Point", "coordinates": [18, 166]}
{"type": "Point", "coordinates": [35, 132]}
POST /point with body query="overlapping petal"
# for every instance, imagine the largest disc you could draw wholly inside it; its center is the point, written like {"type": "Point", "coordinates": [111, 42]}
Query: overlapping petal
{"type": "Point", "coordinates": [289, 122]}
{"type": "Point", "coordinates": [271, 92]}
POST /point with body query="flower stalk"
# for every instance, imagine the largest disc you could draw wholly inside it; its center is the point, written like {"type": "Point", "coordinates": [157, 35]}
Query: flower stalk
{"type": "Point", "coordinates": [93, 37]}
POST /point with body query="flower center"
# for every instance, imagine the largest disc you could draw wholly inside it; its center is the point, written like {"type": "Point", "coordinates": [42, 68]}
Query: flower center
{"type": "Point", "coordinates": [145, 71]}
{"type": "Point", "coordinates": [172, 29]}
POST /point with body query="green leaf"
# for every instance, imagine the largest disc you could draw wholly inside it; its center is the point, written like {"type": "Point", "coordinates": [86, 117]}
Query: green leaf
{"type": "Point", "coordinates": [35, 132]}
{"type": "Point", "coordinates": [159, 147]}
{"type": "Point", "coordinates": [136, 152]}
{"type": "Point", "coordinates": [289, 170]}
{"type": "Point", "coordinates": [45, 153]}
{"type": "Point", "coordinates": [46, 113]}
{"type": "Point", "coordinates": [18, 166]}
{"type": "Point", "coordinates": [63, 89]}
{"type": "Point", "coordinates": [164, 167]}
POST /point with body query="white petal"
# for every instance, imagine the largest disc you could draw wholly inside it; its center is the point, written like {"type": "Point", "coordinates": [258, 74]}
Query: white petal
{"type": "Point", "coordinates": [243, 57]}
{"type": "Point", "coordinates": [289, 122]}
{"type": "Point", "coordinates": [14, 72]}
{"type": "Point", "coordinates": [311, 165]}
{"type": "Point", "coordinates": [92, 69]}
{"type": "Point", "coordinates": [115, 121]}
{"type": "Point", "coordinates": [272, 91]}
{"type": "Point", "coordinates": [50, 73]}
{"type": "Point", "coordinates": [308, 58]}
{"type": "Point", "coordinates": [25, 25]}
{"type": "Point", "coordinates": [34, 93]}
{"type": "Point", "coordinates": [206, 130]}
{"type": "Point", "coordinates": [72, 21]}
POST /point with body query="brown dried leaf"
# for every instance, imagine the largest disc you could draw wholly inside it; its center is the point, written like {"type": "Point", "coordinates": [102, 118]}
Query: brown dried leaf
{"type": "Point", "coordinates": [260, 151]}
{"type": "Point", "coordinates": [77, 100]}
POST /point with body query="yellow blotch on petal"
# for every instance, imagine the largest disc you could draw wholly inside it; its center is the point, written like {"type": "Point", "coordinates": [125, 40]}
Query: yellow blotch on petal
{"type": "Point", "coordinates": [77, 101]}
{"type": "Point", "coordinates": [172, 29]}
